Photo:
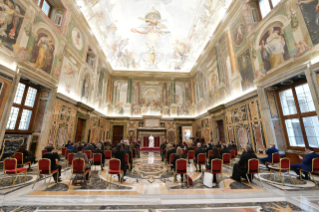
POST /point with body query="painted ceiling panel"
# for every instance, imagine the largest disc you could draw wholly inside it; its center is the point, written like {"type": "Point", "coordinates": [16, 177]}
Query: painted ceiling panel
{"type": "Point", "coordinates": [153, 35]}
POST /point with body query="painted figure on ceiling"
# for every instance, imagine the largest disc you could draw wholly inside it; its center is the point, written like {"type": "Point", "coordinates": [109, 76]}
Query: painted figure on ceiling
{"type": "Point", "coordinates": [273, 49]}
{"type": "Point", "coordinates": [44, 55]}
{"type": "Point", "coordinates": [151, 54]}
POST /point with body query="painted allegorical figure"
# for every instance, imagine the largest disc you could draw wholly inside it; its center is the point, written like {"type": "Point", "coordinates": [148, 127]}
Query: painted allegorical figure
{"type": "Point", "coordinates": [42, 54]}
{"type": "Point", "coordinates": [273, 48]}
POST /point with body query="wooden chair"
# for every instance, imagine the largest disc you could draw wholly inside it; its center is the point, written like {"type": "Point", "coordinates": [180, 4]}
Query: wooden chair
{"type": "Point", "coordinates": [44, 151]}
{"type": "Point", "coordinates": [78, 168]}
{"type": "Point", "coordinates": [253, 168]}
{"type": "Point", "coordinates": [114, 168]}
{"type": "Point", "coordinates": [210, 152]}
{"type": "Point", "coordinates": [216, 168]}
{"type": "Point", "coordinates": [275, 159]}
{"type": "Point", "coordinates": [171, 158]}
{"type": "Point", "coordinates": [88, 154]}
{"type": "Point", "coordinates": [66, 154]}
{"type": "Point", "coordinates": [108, 155]}
{"type": "Point", "coordinates": [190, 155]}
{"type": "Point", "coordinates": [201, 160]}
{"type": "Point", "coordinates": [10, 167]}
{"type": "Point", "coordinates": [63, 151]}
{"type": "Point", "coordinates": [227, 159]}
{"type": "Point", "coordinates": [69, 161]}
{"type": "Point", "coordinates": [97, 160]}
{"type": "Point", "coordinates": [19, 157]}
{"type": "Point", "coordinates": [181, 168]}
{"type": "Point", "coordinates": [284, 167]}
{"type": "Point", "coordinates": [314, 169]}
{"type": "Point", "coordinates": [44, 166]}
{"type": "Point", "coordinates": [232, 154]}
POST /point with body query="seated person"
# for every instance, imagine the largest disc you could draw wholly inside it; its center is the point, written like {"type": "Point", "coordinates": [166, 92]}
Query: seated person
{"type": "Point", "coordinates": [120, 154]}
{"type": "Point", "coordinates": [218, 145]}
{"type": "Point", "coordinates": [100, 151]}
{"type": "Point", "coordinates": [208, 148]}
{"type": "Point", "coordinates": [198, 151]}
{"type": "Point", "coordinates": [127, 150]}
{"type": "Point", "coordinates": [189, 147]}
{"type": "Point", "coordinates": [50, 144]}
{"type": "Point", "coordinates": [179, 154]}
{"type": "Point", "coordinates": [26, 158]}
{"type": "Point", "coordinates": [306, 163]}
{"type": "Point", "coordinates": [75, 148]}
{"type": "Point", "coordinates": [170, 151]}
{"type": "Point", "coordinates": [240, 169]}
{"type": "Point", "coordinates": [229, 147]}
{"type": "Point", "coordinates": [272, 149]}
{"type": "Point", "coordinates": [71, 146]}
{"type": "Point", "coordinates": [233, 144]}
{"type": "Point", "coordinates": [215, 155]}
{"type": "Point", "coordinates": [163, 152]}
{"type": "Point", "coordinates": [223, 150]}
{"type": "Point", "coordinates": [53, 156]}
{"type": "Point", "coordinates": [81, 155]}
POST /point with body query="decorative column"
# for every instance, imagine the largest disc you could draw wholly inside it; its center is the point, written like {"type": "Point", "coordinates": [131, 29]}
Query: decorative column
{"type": "Point", "coordinates": [115, 94]}
{"type": "Point", "coordinates": [235, 79]}
{"type": "Point", "coordinates": [128, 105]}
{"type": "Point", "coordinates": [165, 109]}
{"type": "Point", "coordinates": [192, 98]}
{"type": "Point", "coordinates": [109, 104]}
{"type": "Point", "coordinates": [174, 106]}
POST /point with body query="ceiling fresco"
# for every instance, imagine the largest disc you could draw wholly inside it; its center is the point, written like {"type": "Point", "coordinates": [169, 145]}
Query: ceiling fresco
{"type": "Point", "coordinates": [153, 35]}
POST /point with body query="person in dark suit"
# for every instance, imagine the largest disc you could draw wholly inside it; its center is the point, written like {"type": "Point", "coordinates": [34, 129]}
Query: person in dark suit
{"type": "Point", "coordinates": [198, 151]}
{"type": "Point", "coordinates": [163, 149]}
{"type": "Point", "coordinates": [100, 151]}
{"type": "Point", "coordinates": [170, 151]}
{"type": "Point", "coordinates": [215, 155]}
{"type": "Point", "coordinates": [240, 168]}
{"type": "Point", "coordinates": [223, 150]}
{"type": "Point", "coordinates": [218, 145]}
{"type": "Point", "coordinates": [179, 154]}
{"type": "Point", "coordinates": [306, 163]}
{"type": "Point", "coordinates": [229, 147]}
{"type": "Point", "coordinates": [208, 148]}
{"type": "Point", "coordinates": [128, 151]}
{"type": "Point", "coordinates": [233, 144]}
{"type": "Point", "coordinates": [26, 158]}
{"type": "Point", "coordinates": [120, 154]}
{"type": "Point", "coordinates": [180, 144]}
{"type": "Point", "coordinates": [75, 148]}
{"type": "Point", "coordinates": [50, 144]}
{"type": "Point", "coordinates": [53, 156]}
{"type": "Point", "coordinates": [272, 149]}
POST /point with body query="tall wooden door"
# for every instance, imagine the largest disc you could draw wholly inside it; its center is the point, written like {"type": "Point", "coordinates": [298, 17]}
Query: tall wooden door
{"type": "Point", "coordinates": [117, 134]}
{"type": "Point", "coordinates": [221, 131]}
{"type": "Point", "coordinates": [79, 129]}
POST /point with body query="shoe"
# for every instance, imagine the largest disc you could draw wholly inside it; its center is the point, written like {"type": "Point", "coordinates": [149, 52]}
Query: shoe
{"type": "Point", "coordinates": [123, 180]}
{"type": "Point", "coordinates": [35, 162]}
{"type": "Point", "coordinates": [214, 184]}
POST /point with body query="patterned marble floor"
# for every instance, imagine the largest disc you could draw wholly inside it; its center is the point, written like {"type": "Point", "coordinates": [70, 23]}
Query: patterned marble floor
{"type": "Point", "coordinates": [151, 187]}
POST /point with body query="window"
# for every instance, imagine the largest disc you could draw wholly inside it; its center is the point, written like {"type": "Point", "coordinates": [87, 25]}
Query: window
{"type": "Point", "coordinates": [265, 6]}
{"type": "Point", "coordinates": [45, 6]}
{"type": "Point", "coordinates": [298, 116]}
{"type": "Point", "coordinates": [58, 19]}
{"type": "Point", "coordinates": [23, 109]}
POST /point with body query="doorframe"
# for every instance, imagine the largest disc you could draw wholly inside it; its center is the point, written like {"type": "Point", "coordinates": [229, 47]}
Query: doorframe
{"type": "Point", "coordinates": [118, 124]}
{"type": "Point", "coordinates": [86, 117]}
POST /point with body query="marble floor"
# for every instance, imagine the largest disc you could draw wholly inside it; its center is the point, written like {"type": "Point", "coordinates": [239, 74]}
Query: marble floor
{"type": "Point", "coordinates": [150, 187]}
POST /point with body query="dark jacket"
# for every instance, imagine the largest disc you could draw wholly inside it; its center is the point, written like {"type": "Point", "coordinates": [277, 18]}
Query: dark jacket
{"type": "Point", "coordinates": [128, 151]}
{"type": "Point", "coordinates": [307, 161]}
{"type": "Point", "coordinates": [230, 148]}
{"type": "Point", "coordinates": [210, 160]}
{"type": "Point", "coordinates": [189, 148]}
{"type": "Point", "coordinates": [207, 150]}
{"type": "Point", "coordinates": [218, 146]}
{"type": "Point", "coordinates": [163, 146]}
{"type": "Point", "coordinates": [224, 150]}
{"type": "Point", "coordinates": [101, 152]}
{"type": "Point", "coordinates": [170, 152]}
{"type": "Point", "coordinates": [243, 162]}
{"type": "Point", "coordinates": [198, 151]}
{"type": "Point", "coordinates": [119, 154]}
{"type": "Point", "coordinates": [53, 156]}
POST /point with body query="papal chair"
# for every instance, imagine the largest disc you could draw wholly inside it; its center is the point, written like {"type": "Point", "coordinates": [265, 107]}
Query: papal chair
{"type": "Point", "coordinates": [44, 166]}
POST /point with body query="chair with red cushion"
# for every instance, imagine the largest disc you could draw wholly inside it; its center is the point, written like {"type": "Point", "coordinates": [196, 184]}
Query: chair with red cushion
{"type": "Point", "coordinates": [69, 162]}
{"type": "Point", "coordinates": [108, 154]}
{"type": "Point", "coordinates": [63, 150]}
{"type": "Point", "coordinates": [201, 160]}
{"type": "Point", "coordinates": [219, 149]}
{"type": "Point", "coordinates": [190, 154]}
{"type": "Point", "coordinates": [253, 168]}
{"type": "Point", "coordinates": [275, 159]}
{"type": "Point", "coordinates": [44, 166]}
{"type": "Point", "coordinates": [88, 154]}
{"type": "Point", "coordinates": [171, 158]}
{"type": "Point", "coordinates": [66, 154]}
{"type": "Point", "coordinates": [284, 167]}
{"type": "Point", "coordinates": [236, 151]}
{"type": "Point", "coordinates": [127, 161]}
{"type": "Point", "coordinates": [10, 167]}
{"type": "Point", "coordinates": [210, 152]}
{"type": "Point", "coordinates": [114, 168]}
{"type": "Point", "coordinates": [44, 151]}
{"type": "Point", "coordinates": [97, 160]}
{"type": "Point", "coordinates": [216, 168]}
{"type": "Point", "coordinates": [181, 168]}
{"type": "Point", "coordinates": [314, 169]}
{"type": "Point", "coordinates": [166, 157]}
{"type": "Point", "coordinates": [232, 154]}
{"type": "Point", "coordinates": [184, 151]}
{"type": "Point", "coordinates": [226, 159]}
{"type": "Point", "coordinates": [194, 148]}
{"type": "Point", "coordinates": [78, 168]}
{"type": "Point", "coordinates": [19, 157]}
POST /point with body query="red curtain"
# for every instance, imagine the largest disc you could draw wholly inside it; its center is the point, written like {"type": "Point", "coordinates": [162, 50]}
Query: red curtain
{"type": "Point", "coordinates": [157, 142]}
{"type": "Point", "coordinates": [145, 142]}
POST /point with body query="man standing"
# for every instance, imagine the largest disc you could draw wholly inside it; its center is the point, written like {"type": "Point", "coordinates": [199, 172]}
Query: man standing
{"type": "Point", "coordinates": [306, 163]}
{"type": "Point", "coordinates": [163, 148]}
{"type": "Point", "coordinates": [272, 149]}
{"type": "Point", "coordinates": [151, 141]}
{"type": "Point", "coordinates": [198, 151]}
{"type": "Point", "coordinates": [53, 156]}
{"type": "Point", "coordinates": [100, 151]}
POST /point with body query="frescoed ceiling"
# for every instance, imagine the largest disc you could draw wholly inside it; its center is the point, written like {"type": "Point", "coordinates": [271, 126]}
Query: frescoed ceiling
{"type": "Point", "coordinates": [153, 35]}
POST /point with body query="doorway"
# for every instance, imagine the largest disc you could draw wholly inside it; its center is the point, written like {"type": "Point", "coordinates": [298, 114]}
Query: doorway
{"type": "Point", "coordinates": [117, 134]}
{"type": "Point", "coordinates": [221, 131]}
{"type": "Point", "coordinates": [79, 129]}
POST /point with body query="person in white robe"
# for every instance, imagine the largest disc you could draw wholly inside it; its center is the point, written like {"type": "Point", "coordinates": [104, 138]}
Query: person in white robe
{"type": "Point", "coordinates": [151, 141]}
